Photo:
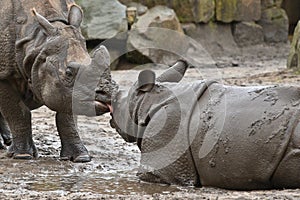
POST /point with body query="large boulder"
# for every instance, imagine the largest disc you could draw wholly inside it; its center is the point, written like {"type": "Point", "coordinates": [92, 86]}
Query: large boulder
{"type": "Point", "coordinates": [238, 10]}
{"type": "Point", "coordinates": [158, 37]}
{"type": "Point", "coordinates": [275, 24]}
{"type": "Point", "coordinates": [150, 38]}
{"type": "Point", "coordinates": [248, 33]}
{"type": "Point", "coordinates": [294, 56]}
{"type": "Point", "coordinates": [103, 19]}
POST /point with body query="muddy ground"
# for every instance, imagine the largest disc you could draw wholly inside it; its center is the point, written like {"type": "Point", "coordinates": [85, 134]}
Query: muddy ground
{"type": "Point", "coordinates": [111, 174]}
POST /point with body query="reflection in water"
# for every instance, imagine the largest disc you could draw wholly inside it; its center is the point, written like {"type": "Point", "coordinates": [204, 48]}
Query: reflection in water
{"type": "Point", "coordinates": [121, 186]}
{"type": "Point", "coordinates": [53, 175]}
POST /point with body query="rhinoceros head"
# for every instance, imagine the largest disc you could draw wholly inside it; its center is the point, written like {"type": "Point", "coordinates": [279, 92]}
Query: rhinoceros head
{"type": "Point", "coordinates": [62, 70]}
{"type": "Point", "coordinates": [133, 111]}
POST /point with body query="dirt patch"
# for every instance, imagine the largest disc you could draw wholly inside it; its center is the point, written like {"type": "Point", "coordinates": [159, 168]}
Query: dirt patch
{"type": "Point", "coordinates": [111, 174]}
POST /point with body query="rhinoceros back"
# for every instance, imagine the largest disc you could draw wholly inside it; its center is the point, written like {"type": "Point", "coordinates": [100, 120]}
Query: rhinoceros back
{"type": "Point", "coordinates": [245, 133]}
{"type": "Point", "coordinates": [17, 23]}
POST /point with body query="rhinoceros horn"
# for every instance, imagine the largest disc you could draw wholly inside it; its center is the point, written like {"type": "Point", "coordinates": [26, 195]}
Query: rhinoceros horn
{"type": "Point", "coordinates": [101, 57]}
{"type": "Point", "coordinates": [47, 27]}
{"type": "Point", "coordinates": [175, 73]}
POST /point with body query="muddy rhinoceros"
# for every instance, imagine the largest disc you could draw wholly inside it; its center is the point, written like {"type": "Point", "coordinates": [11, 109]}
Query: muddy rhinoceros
{"type": "Point", "coordinates": [204, 133]}
{"type": "Point", "coordinates": [42, 56]}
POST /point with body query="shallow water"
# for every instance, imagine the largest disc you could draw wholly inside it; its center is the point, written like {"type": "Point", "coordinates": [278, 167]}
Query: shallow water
{"type": "Point", "coordinates": [50, 174]}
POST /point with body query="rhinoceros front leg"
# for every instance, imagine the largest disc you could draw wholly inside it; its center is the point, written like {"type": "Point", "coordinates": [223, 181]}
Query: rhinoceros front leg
{"type": "Point", "coordinates": [18, 117]}
{"type": "Point", "coordinates": [72, 147]}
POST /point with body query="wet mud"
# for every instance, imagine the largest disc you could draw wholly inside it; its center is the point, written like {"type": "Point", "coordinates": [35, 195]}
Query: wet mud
{"type": "Point", "coordinates": [112, 172]}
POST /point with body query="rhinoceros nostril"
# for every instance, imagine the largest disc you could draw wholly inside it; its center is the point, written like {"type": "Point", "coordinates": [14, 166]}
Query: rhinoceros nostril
{"type": "Point", "coordinates": [101, 92]}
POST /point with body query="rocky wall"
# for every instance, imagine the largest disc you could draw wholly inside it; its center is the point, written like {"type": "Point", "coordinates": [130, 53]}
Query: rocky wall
{"type": "Point", "coordinates": [221, 26]}
{"type": "Point", "coordinates": [265, 15]}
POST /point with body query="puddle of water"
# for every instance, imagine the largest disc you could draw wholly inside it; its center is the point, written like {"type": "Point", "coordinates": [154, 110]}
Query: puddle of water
{"type": "Point", "coordinates": [52, 175]}
{"type": "Point", "coordinates": [120, 186]}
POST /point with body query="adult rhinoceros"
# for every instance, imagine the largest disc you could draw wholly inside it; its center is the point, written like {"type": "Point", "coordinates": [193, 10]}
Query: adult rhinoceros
{"type": "Point", "coordinates": [42, 54]}
{"type": "Point", "coordinates": [208, 134]}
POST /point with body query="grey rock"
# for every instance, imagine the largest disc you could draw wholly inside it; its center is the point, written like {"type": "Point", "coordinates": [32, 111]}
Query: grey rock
{"type": "Point", "coordinates": [216, 38]}
{"type": "Point", "coordinates": [103, 19]}
{"type": "Point", "coordinates": [156, 34]}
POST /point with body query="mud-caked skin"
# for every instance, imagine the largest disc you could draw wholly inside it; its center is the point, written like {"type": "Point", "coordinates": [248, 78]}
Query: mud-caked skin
{"type": "Point", "coordinates": [43, 54]}
{"type": "Point", "coordinates": [207, 134]}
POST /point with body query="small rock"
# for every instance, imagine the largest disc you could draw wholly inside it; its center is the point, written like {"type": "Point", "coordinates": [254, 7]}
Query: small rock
{"type": "Point", "coordinates": [141, 9]}
{"type": "Point", "coordinates": [235, 63]}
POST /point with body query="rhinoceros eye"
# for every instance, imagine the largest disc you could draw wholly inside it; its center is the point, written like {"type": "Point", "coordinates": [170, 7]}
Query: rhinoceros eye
{"type": "Point", "coordinates": [69, 72]}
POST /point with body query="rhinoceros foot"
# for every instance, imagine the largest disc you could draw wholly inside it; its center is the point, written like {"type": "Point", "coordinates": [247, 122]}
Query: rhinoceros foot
{"type": "Point", "coordinates": [75, 152]}
{"type": "Point", "coordinates": [6, 140]}
{"type": "Point", "coordinates": [25, 152]}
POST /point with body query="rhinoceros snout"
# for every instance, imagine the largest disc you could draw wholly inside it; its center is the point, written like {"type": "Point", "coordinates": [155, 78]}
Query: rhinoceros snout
{"type": "Point", "coordinates": [103, 96]}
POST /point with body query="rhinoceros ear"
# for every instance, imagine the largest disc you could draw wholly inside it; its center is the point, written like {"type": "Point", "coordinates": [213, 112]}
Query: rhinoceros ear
{"type": "Point", "coordinates": [46, 26]}
{"type": "Point", "coordinates": [75, 16]}
{"type": "Point", "coordinates": [146, 81]}
{"type": "Point", "coordinates": [175, 73]}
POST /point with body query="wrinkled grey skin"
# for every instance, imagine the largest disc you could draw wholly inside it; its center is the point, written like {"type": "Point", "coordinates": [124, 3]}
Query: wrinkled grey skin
{"type": "Point", "coordinates": [42, 55]}
{"type": "Point", "coordinates": [208, 134]}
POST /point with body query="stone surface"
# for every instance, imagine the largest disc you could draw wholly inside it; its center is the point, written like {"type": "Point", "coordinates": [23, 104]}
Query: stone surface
{"type": "Point", "coordinates": [275, 25]}
{"type": "Point", "coordinates": [186, 10]}
{"type": "Point", "coordinates": [141, 9]}
{"type": "Point", "coordinates": [154, 35]}
{"type": "Point", "coordinates": [103, 19]}
{"type": "Point", "coordinates": [203, 10]}
{"type": "Point", "coordinates": [271, 3]}
{"type": "Point", "coordinates": [248, 33]}
{"type": "Point", "coordinates": [215, 38]}
{"type": "Point", "coordinates": [238, 10]}
{"type": "Point", "coordinates": [294, 56]}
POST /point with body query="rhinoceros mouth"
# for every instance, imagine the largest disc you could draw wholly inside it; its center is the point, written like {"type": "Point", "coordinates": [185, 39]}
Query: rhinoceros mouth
{"type": "Point", "coordinates": [99, 107]}
{"type": "Point", "coordinates": [102, 107]}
